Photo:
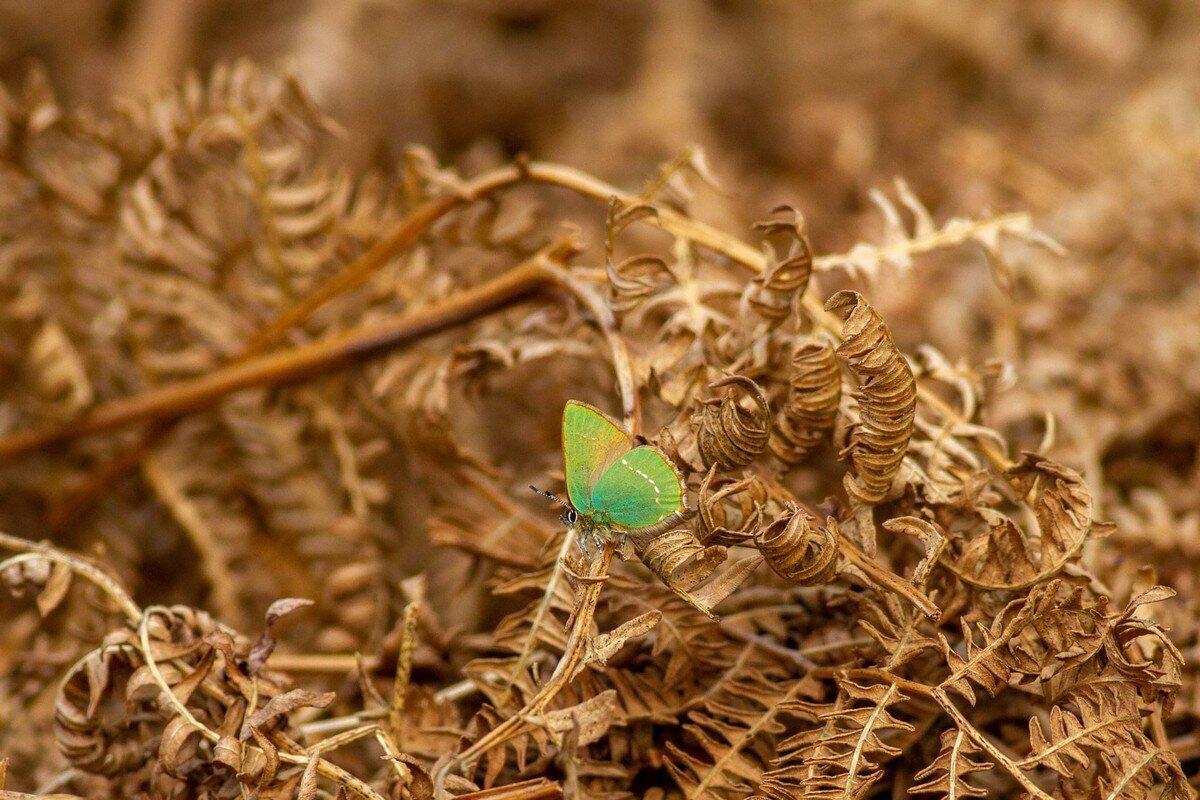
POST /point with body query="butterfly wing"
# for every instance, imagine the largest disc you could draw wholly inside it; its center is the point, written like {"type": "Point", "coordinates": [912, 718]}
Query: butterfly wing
{"type": "Point", "coordinates": [641, 488]}
{"type": "Point", "coordinates": [592, 443]}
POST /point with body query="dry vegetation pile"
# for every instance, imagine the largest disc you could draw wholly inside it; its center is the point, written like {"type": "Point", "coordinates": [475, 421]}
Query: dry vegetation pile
{"type": "Point", "coordinates": [275, 386]}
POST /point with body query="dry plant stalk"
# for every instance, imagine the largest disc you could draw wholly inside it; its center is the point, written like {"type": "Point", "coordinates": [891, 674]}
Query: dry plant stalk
{"type": "Point", "coordinates": [336, 370]}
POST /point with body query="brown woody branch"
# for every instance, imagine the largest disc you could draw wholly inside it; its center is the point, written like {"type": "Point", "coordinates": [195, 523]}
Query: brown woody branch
{"type": "Point", "coordinates": [306, 361]}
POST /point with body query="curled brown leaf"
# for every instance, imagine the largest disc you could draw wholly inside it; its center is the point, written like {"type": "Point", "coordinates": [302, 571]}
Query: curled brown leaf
{"type": "Point", "coordinates": [886, 396]}
{"type": "Point", "coordinates": [728, 435]}
{"type": "Point", "coordinates": [797, 550]}
{"type": "Point", "coordinates": [810, 409]}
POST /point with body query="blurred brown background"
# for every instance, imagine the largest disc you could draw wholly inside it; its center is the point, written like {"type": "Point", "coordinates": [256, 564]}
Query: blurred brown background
{"type": "Point", "coordinates": [1084, 112]}
{"type": "Point", "coordinates": [996, 102]}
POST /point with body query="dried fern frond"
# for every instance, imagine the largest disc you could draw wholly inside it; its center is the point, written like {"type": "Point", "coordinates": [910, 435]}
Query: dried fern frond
{"type": "Point", "coordinates": [776, 293]}
{"type": "Point", "coordinates": [734, 732]}
{"type": "Point", "coordinates": [946, 776]}
{"type": "Point", "coordinates": [844, 755]}
{"type": "Point", "coordinates": [1005, 556]}
{"type": "Point", "coordinates": [903, 242]}
{"type": "Point", "coordinates": [677, 556]}
{"type": "Point", "coordinates": [1098, 727]}
{"type": "Point", "coordinates": [730, 509]}
{"type": "Point", "coordinates": [886, 397]}
{"type": "Point", "coordinates": [798, 550]}
{"type": "Point", "coordinates": [807, 415]}
{"type": "Point", "coordinates": [240, 370]}
{"type": "Point", "coordinates": [728, 435]}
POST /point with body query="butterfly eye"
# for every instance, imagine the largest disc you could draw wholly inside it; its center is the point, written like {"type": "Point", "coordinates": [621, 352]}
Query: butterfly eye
{"type": "Point", "coordinates": [571, 517]}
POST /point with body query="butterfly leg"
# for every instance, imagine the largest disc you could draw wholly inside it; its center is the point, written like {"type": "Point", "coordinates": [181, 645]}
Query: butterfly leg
{"type": "Point", "coordinates": [585, 539]}
{"type": "Point", "coordinates": [625, 547]}
{"type": "Point", "coordinates": [597, 540]}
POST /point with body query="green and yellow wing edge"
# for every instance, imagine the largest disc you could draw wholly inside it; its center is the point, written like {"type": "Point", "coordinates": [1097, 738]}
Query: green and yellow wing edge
{"type": "Point", "coordinates": [592, 442]}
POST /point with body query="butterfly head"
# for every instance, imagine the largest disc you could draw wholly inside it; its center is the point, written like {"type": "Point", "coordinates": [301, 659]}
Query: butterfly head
{"type": "Point", "coordinates": [571, 517]}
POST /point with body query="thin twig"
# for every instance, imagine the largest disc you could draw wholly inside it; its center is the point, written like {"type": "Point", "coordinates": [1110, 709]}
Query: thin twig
{"type": "Point", "coordinates": [408, 643]}
{"type": "Point", "coordinates": [888, 580]}
{"type": "Point", "coordinates": [875, 674]}
{"type": "Point", "coordinates": [320, 662]}
{"type": "Point", "coordinates": [305, 361]}
{"type": "Point", "coordinates": [964, 725]}
{"type": "Point", "coordinates": [203, 392]}
{"type": "Point", "coordinates": [535, 789]}
{"type": "Point", "coordinates": [80, 566]}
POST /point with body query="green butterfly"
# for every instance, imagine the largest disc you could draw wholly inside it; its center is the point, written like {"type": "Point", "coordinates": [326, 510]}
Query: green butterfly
{"type": "Point", "coordinates": [611, 483]}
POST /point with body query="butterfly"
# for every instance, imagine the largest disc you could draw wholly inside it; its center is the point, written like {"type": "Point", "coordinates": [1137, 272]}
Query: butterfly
{"type": "Point", "coordinates": [611, 484]}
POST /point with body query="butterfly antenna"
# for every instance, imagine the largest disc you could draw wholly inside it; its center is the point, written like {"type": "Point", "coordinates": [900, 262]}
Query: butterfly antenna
{"type": "Point", "coordinates": [553, 497]}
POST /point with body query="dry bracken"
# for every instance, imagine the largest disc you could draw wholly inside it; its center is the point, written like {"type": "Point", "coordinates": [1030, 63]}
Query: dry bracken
{"type": "Point", "coordinates": [278, 414]}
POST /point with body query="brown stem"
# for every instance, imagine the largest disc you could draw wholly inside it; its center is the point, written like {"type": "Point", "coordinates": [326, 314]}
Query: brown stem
{"type": "Point", "coordinates": [305, 361]}
{"type": "Point", "coordinates": [619, 352]}
{"type": "Point", "coordinates": [875, 674]}
{"type": "Point", "coordinates": [80, 566]}
{"type": "Point", "coordinates": [404, 235]}
{"type": "Point", "coordinates": [408, 643]}
{"type": "Point", "coordinates": [888, 580]}
{"type": "Point", "coordinates": [400, 238]}
{"type": "Point", "coordinates": [357, 272]}
{"type": "Point", "coordinates": [943, 699]}
{"type": "Point", "coordinates": [320, 662]}
{"type": "Point", "coordinates": [535, 789]}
